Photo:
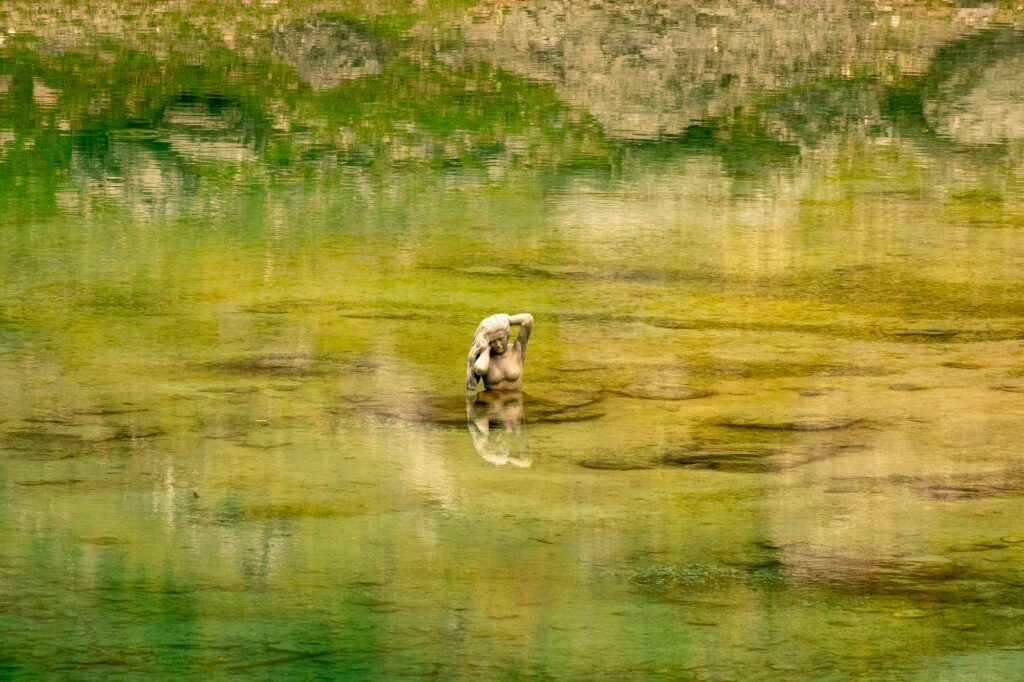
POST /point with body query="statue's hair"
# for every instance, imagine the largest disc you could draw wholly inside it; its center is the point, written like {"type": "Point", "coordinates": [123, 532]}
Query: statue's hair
{"type": "Point", "coordinates": [487, 327]}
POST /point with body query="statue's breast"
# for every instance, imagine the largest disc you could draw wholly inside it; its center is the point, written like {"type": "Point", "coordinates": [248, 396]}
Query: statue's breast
{"type": "Point", "coordinates": [513, 371]}
{"type": "Point", "coordinates": [507, 368]}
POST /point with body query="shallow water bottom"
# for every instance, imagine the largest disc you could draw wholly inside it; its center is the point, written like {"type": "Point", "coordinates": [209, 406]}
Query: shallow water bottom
{"type": "Point", "coordinates": [282, 515]}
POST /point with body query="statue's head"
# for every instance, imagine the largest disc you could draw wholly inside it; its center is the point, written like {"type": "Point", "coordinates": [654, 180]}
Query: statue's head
{"type": "Point", "coordinates": [495, 332]}
{"type": "Point", "coordinates": [498, 341]}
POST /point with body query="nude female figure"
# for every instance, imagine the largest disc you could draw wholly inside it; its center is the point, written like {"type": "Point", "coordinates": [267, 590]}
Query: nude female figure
{"type": "Point", "coordinates": [492, 359]}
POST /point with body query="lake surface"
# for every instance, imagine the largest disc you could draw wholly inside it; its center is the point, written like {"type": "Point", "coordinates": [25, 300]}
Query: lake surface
{"type": "Point", "coordinates": [774, 400]}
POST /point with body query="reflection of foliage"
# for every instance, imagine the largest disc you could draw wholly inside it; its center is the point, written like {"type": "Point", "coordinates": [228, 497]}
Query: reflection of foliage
{"type": "Point", "coordinates": [817, 110]}
{"type": "Point", "coordinates": [745, 147]}
{"type": "Point", "coordinates": [325, 91]}
{"type": "Point", "coordinates": [328, 91]}
{"type": "Point", "coordinates": [471, 117]}
{"type": "Point", "coordinates": [82, 104]}
{"type": "Point", "coordinates": [260, 118]}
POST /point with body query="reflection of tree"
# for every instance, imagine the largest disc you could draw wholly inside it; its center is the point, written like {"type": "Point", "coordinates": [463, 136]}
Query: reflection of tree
{"type": "Point", "coordinates": [495, 422]}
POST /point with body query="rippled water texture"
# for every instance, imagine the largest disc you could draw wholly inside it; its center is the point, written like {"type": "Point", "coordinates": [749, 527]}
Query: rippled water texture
{"type": "Point", "coordinates": [773, 414]}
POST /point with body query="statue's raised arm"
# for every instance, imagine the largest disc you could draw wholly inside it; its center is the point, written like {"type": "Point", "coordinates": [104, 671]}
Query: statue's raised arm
{"type": "Point", "coordinates": [491, 358]}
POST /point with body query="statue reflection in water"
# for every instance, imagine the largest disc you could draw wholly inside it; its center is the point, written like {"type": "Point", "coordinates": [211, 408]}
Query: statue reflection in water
{"type": "Point", "coordinates": [495, 414]}
{"type": "Point", "coordinates": [496, 425]}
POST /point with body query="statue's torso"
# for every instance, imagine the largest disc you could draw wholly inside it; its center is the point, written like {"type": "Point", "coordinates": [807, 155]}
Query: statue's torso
{"type": "Point", "coordinates": [505, 372]}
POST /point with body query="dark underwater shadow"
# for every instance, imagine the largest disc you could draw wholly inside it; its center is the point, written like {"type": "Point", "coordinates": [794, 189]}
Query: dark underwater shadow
{"type": "Point", "coordinates": [450, 411]}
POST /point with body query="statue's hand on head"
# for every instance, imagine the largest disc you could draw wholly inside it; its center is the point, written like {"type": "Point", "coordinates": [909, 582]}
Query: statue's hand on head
{"type": "Point", "coordinates": [491, 358]}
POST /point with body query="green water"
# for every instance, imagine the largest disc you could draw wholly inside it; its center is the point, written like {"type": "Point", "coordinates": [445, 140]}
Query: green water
{"type": "Point", "coordinates": [773, 415]}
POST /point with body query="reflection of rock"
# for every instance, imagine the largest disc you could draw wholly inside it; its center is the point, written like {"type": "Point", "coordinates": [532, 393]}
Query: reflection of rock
{"type": "Point", "coordinates": [978, 100]}
{"type": "Point", "coordinates": [216, 151]}
{"type": "Point", "coordinates": [647, 71]}
{"type": "Point", "coordinates": [43, 95]}
{"type": "Point", "coordinates": [326, 52]}
{"type": "Point", "coordinates": [208, 130]}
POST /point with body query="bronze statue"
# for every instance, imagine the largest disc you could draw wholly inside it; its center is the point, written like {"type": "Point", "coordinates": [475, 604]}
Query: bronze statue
{"type": "Point", "coordinates": [492, 359]}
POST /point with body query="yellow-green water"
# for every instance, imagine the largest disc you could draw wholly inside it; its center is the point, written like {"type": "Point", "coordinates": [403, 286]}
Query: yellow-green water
{"type": "Point", "coordinates": [773, 405]}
